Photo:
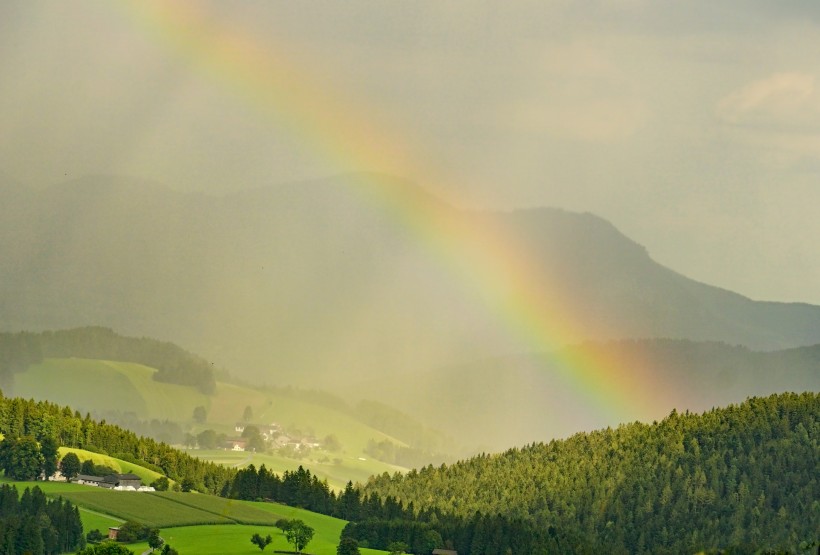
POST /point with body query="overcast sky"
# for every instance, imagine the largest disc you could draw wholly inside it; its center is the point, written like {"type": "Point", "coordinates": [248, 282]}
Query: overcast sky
{"type": "Point", "coordinates": [693, 126]}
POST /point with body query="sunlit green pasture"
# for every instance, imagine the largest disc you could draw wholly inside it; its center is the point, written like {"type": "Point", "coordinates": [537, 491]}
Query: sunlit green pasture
{"type": "Point", "coordinates": [238, 511]}
{"type": "Point", "coordinates": [102, 386]}
{"type": "Point", "coordinates": [143, 507]}
{"type": "Point", "coordinates": [235, 540]}
{"type": "Point", "coordinates": [195, 523]}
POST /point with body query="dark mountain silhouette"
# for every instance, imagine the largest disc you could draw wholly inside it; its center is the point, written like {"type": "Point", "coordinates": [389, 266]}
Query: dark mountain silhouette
{"type": "Point", "coordinates": [332, 278]}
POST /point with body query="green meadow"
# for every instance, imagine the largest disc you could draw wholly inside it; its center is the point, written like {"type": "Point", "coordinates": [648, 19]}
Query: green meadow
{"type": "Point", "coordinates": [235, 540]}
{"type": "Point", "coordinates": [101, 386]}
{"type": "Point", "coordinates": [196, 523]}
{"type": "Point", "coordinates": [98, 385]}
{"type": "Point", "coordinates": [144, 507]}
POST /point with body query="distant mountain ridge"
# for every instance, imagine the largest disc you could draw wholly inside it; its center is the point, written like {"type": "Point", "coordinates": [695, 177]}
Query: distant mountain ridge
{"type": "Point", "coordinates": [310, 281]}
{"type": "Point", "coordinates": [516, 399]}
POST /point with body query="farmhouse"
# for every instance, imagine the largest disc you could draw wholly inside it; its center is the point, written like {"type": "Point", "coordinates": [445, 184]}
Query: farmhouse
{"type": "Point", "coordinates": [89, 480]}
{"type": "Point", "coordinates": [112, 481]}
{"type": "Point", "coordinates": [123, 481]}
{"type": "Point", "coordinates": [236, 444]}
{"type": "Point", "coordinates": [310, 441]}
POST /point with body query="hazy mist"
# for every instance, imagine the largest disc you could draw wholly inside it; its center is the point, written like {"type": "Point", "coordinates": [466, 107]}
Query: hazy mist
{"type": "Point", "coordinates": [357, 194]}
{"type": "Point", "coordinates": [694, 128]}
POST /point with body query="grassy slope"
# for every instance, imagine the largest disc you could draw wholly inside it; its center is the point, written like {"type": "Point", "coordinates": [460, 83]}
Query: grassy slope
{"type": "Point", "coordinates": [94, 385]}
{"type": "Point", "coordinates": [235, 540]}
{"type": "Point", "coordinates": [100, 386]}
{"type": "Point", "coordinates": [103, 508]}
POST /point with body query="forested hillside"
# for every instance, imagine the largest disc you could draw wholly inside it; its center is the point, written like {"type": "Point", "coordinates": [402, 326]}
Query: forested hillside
{"type": "Point", "coordinates": [43, 421]}
{"type": "Point", "coordinates": [744, 476]}
{"type": "Point", "coordinates": [173, 363]}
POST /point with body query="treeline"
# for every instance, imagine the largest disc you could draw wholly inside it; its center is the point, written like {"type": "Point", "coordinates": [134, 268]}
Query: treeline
{"type": "Point", "coordinates": [35, 525]}
{"type": "Point", "coordinates": [173, 363]}
{"type": "Point", "coordinates": [479, 534]}
{"type": "Point", "coordinates": [166, 431]}
{"type": "Point", "coordinates": [298, 488]}
{"type": "Point", "coordinates": [44, 421]}
{"type": "Point", "coordinates": [377, 523]}
{"type": "Point", "coordinates": [743, 478]}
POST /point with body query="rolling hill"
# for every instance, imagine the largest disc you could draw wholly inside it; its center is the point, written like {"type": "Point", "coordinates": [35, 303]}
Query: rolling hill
{"type": "Point", "coordinates": [741, 478]}
{"type": "Point", "coordinates": [324, 281]}
{"type": "Point", "coordinates": [195, 523]}
{"type": "Point", "coordinates": [120, 388]}
{"type": "Point", "coordinates": [501, 402]}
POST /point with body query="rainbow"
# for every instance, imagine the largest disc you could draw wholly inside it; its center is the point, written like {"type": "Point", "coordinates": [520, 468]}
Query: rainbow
{"type": "Point", "coordinates": [485, 261]}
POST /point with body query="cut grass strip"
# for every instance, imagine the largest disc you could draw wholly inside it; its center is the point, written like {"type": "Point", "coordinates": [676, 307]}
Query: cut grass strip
{"type": "Point", "coordinates": [238, 511]}
{"type": "Point", "coordinates": [147, 509]}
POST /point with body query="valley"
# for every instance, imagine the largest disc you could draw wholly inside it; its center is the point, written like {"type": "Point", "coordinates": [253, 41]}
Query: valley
{"type": "Point", "coordinates": [409, 278]}
{"type": "Point", "coordinates": [126, 392]}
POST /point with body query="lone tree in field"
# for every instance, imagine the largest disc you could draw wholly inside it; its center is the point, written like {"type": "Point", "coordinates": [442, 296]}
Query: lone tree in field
{"type": "Point", "coordinates": [200, 414]}
{"type": "Point", "coordinates": [261, 542]}
{"type": "Point", "coordinates": [70, 466]}
{"type": "Point", "coordinates": [154, 540]}
{"type": "Point", "coordinates": [299, 534]}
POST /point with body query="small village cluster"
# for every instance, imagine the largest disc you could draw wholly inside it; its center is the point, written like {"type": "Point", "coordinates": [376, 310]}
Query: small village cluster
{"type": "Point", "coordinates": [273, 436]}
